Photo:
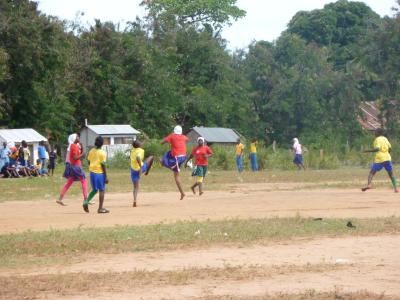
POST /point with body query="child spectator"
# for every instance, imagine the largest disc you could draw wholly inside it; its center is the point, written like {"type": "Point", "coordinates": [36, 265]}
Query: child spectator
{"type": "Point", "coordinates": [52, 161]}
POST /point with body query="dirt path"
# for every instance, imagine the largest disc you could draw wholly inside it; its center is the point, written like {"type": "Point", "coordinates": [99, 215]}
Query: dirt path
{"type": "Point", "coordinates": [365, 263]}
{"type": "Point", "coordinates": [255, 201]}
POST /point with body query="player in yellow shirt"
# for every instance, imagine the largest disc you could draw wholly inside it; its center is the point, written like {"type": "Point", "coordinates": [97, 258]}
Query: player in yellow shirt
{"type": "Point", "coordinates": [253, 155]}
{"type": "Point", "coordinates": [98, 175]}
{"type": "Point", "coordinates": [239, 155]}
{"type": "Point", "coordinates": [138, 166]}
{"type": "Point", "coordinates": [383, 159]}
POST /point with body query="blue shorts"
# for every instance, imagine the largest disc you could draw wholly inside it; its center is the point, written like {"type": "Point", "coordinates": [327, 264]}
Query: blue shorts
{"type": "Point", "coordinates": [98, 182]}
{"type": "Point", "coordinates": [298, 159]}
{"type": "Point", "coordinates": [386, 164]}
{"type": "Point", "coordinates": [135, 175]}
{"type": "Point", "coordinates": [172, 162]}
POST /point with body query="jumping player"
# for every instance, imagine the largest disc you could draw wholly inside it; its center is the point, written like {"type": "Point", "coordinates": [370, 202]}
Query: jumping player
{"type": "Point", "coordinates": [201, 153]}
{"type": "Point", "coordinates": [74, 171]}
{"type": "Point", "coordinates": [383, 159]}
{"type": "Point", "coordinates": [177, 156]}
{"type": "Point", "coordinates": [138, 166]}
{"type": "Point", "coordinates": [98, 175]}
{"type": "Point", "coordinates": [298, 154]}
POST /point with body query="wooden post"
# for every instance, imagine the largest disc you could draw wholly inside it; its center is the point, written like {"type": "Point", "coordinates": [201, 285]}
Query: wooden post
{"type": "Point", "coordinates": [274, 146]}
{"type": "Point", "coordinates": [321, 154]}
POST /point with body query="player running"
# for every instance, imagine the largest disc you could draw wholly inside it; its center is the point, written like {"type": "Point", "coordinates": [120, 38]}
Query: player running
{"type": "Point", "coordinates": [382, 148]}
{"type": "Point", "coordinates": [201, 153]}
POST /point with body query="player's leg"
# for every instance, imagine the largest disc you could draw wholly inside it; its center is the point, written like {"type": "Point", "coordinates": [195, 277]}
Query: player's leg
{"type": "Point", "coordinates": [64, 190]}
{"type": "Point", "coordinates": [375, 168]}
{"type": "Point", "coordinates": [135, 192]}
{"type": "Point", "coordinates": [178, 184]}
{"type": "Point", "coordinates": [149, 163]}
{"type": "Point", "coordinates": [389, 169]}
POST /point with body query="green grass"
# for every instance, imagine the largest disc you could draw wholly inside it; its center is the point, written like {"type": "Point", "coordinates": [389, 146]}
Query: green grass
{"type": "Point", "coordinates": [162, 180]}
{"type": "Point", "coordinates": [16, 248]}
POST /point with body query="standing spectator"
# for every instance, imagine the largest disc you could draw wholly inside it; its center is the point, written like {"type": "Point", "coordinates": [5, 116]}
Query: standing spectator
{"type": "Point", "coordinates": [4, 156]}
{"type": "Point", "coordinates": [298, 154]}
{"type": "Point", "coordinates": [24, 154]}
{"type": "Point", "coordinates": [253, 155]}
{"type": "Point", "coordinates": [239, 155]}
{"type": "Point", "coordinates": [42, 153]}
{"type": "Point", "coordinates": [52, 161]}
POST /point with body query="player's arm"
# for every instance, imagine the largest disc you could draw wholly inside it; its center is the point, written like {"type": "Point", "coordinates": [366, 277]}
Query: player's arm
{"type": "Point", "coordinates": [190, 157]}
{"type": "Point", "coordinates": [103, 167]}
{"type": "Point", "coordinates": [372, 150]}
{"type": "Point", "coordinates": [140, 163]}
{"type": "Point", "coordinates": [209, 153]}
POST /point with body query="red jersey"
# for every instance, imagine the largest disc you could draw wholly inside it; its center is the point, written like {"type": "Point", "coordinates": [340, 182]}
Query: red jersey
{"type": "Point", "coordinates": [75, 150]}
{"type": "Point", "coordinates": [178, 143]}
{"type": "Point", "coordinates": [199, 152]}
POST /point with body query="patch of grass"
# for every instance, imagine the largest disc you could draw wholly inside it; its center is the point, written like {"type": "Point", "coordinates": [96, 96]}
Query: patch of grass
{"type": "Point", "coordinates": [30, 287]}
{"type": "Point", "coordinates": [48, 188]}
{"type": "Point", "coordinates": [15, 248]}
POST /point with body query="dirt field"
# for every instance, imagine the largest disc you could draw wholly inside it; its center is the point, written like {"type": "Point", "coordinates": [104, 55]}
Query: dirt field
{"type": "Point", "coordinates": [339, 265]}
{"type": "Point", "coordinates": [242, 201]}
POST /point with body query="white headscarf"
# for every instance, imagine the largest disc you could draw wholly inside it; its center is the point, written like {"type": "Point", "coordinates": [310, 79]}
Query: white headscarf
{"type": "Point", "coordinates": [71, 140]}
{"type": "Point", "coordinates": [178, 129]}
{"type": "Point", "coordinates": [200, 138]}
{"type": "Point", "coordinates": [297, 146]}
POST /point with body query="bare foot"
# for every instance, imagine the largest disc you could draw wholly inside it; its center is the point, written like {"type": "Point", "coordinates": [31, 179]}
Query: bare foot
{"type": "Point", "coordinates": [396, 190]}
{"type": "Point", "coordinates": [365, 188]}
{"type": "Point", "coordinates": [182, 196]}
{"type": "Point", "coordinates": [61, 203]}
{"type": "Point", "coordinates": [201, 193]}
{"type": "Point", "coordinates": [193, 190]}
{"type": "Point", "coordinates": [134, 204]}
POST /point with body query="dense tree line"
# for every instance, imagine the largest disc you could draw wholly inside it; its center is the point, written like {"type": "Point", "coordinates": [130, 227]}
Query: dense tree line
{"type": "Point", "coordinates": [173, 66]}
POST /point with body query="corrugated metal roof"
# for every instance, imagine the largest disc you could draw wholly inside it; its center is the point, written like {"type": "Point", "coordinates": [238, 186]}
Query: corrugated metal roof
{"type": "Point", "coordinates": [369, 119]}
{"type": "Point", "coordinates": [217, 135]}
{"type": "Point", "coordinates": [113, 129]}
{"type": "Point", "coordinates": [17, 135]}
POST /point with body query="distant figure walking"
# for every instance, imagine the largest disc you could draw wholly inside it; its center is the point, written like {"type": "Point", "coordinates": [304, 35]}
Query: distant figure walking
{"type": "Point", "coordinates": [298, 154]}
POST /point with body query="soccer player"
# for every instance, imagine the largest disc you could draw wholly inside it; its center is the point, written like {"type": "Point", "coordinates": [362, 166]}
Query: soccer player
{"type": "Point", "coordinates": [383, 159]}
{"type": "Point", "coordinates": [75, 171]}
{"type": "Point", "coordinates": [298, 154]}
{"type": "Point", "coordinates": [138, 166]}
{"type": "Point", "coordinates": [177, 156]}
{"type": "Point", "coordinates": [201, 153]}
{"type": "Point", "coordinates": [239, 155]}
{"type": "Point", "coordinates": [98, 175]}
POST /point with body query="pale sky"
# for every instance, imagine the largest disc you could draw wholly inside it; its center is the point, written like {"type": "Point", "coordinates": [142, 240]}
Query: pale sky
{"type": "Point", "coordinates": [265, 19]}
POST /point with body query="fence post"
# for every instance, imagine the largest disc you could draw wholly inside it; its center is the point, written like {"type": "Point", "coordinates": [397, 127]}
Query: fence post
{"type": "Point", "coordinates": [321, 154]}
{"type": "Point", "coordinates": [274, 146]}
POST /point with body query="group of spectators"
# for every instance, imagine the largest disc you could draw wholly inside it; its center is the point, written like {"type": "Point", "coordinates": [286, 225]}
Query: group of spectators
{"type": "Point", "coordinates": [15, 161]}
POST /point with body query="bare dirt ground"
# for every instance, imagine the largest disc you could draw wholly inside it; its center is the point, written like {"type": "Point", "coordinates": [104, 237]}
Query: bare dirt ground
{"type": "Point", "coordinates": [241, 201]}
{"type": "Point", "coordinates": [347, 264]}
{"type": "Point", "coordinates": [324, 265]}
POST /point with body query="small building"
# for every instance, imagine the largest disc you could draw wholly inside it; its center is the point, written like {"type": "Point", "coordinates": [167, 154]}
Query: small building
{"type": "Point", "coordinates": [16, 136]}
{"type": "Point", "coordinates": [214, 135]}
{"type": "Point", "coordinates": [117, 138]}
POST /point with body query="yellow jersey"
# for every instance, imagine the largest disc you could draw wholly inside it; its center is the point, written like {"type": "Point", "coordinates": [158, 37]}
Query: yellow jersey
{"type": "Point", "coordinates": [96, 158]}
{"type": "Point", "coordinates": [383, 145]}
{"type": "Point", "coordinates": [137, 154]}
{"type": "Point", "coordinates": [239, 149]}
{"type": "Point", "coordinates": [253, 147]}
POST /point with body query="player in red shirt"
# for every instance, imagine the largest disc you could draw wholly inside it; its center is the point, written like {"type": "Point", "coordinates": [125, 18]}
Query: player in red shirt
{"type": "Point", "coordinates": [74, 170]}
{"type": "Point", "coordinates": [201, 153]}
{"type": "Point", "coordinates": [174, 158]}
